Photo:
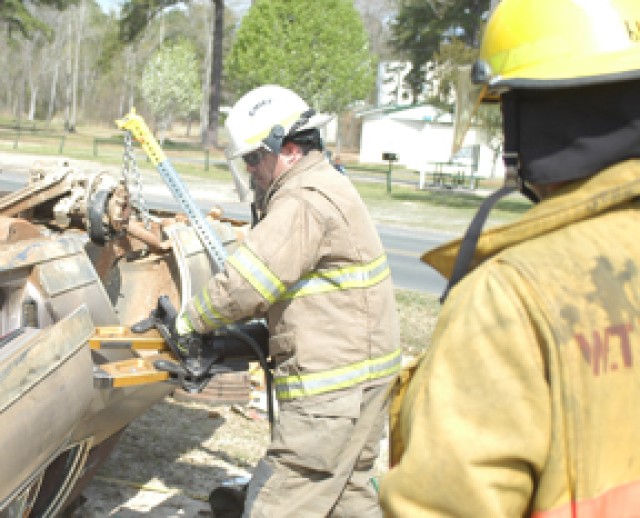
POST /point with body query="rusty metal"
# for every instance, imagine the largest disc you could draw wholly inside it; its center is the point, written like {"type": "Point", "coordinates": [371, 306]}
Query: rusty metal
{"type": "Point", "coordinates": [71, 376]}
{"type": "Point", "coordinates": [13, 230]}
{"type": "Point", "coordinates": [148, 237]}
{"type": "Point", "coordinates": [119, 209]}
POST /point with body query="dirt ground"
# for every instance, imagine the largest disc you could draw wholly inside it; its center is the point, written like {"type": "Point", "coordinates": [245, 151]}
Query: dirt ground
{"type": "Point", "coordinates": [170, 458]}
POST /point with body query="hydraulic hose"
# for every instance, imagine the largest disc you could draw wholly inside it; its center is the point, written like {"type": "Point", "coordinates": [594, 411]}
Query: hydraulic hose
{"type": "Point", "coordinates": [246, 338]}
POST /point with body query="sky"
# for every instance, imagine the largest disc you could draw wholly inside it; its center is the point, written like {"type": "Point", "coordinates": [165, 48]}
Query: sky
{"type": "Point", "coordinates": [108, 5]}
{"type": "Point", "coordinates": [237, 5]}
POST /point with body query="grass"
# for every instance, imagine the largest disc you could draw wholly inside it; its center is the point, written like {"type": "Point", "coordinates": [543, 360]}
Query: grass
{"type": "Point", "coordinates": [418, 313]}
{"type": "Point", "coordinates": [448, 211]}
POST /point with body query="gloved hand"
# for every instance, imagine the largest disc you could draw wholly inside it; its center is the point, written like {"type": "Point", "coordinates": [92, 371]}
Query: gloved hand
{"type": "Point", "coordinates": [187, 341]}
{"type": "Point", "coordinates": [194, 356]}
{"type": "Point", "coordinates": [181, 325]}
{"type": "Point", "coordinates": [178, 332]}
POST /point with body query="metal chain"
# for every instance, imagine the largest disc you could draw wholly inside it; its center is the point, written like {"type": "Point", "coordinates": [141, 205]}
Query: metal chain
{"type": "Point", "coordinates": [133, 179]}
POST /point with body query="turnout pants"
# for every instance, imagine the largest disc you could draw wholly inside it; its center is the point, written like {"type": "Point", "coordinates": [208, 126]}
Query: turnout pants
{"type": "Point", "coordinates": [320, 460]}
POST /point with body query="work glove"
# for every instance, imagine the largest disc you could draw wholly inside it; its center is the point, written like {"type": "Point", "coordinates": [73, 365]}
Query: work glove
{"type": "Point", "coordinates": [187, 343]}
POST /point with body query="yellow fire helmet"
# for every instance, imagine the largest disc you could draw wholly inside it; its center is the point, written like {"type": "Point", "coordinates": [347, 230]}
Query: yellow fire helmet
{"type": "Point", "coordinates": [559, 43]}
{"type": "Point", "coordinates": [550, 44]}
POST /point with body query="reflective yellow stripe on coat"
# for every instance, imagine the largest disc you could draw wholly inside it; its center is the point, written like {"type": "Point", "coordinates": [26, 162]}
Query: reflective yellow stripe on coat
{"type": "Point", "coordinates": [290, 387]}
{"type": "Point", "coordinates": [273, 289]}
{"type": "Point", "coordinates": [360, 276]}
{"type": "Point", "coordinates": [257, 274]}
{"type": "Point", "coordinates": [207, 311]}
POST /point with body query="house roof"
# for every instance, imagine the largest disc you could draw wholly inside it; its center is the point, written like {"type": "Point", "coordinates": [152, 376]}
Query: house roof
{"type": "Point", "coordinates": [425, 113]}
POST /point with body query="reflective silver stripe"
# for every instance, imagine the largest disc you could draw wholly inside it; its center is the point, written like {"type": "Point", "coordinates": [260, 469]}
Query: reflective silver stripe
{"type": "Point", "coordinates": [257, 274]}
{"type": "Point", "coordinates": [290, 387]}
{"type": "Point", "coordinates": [207, 312]}
{"type": "Point", "coordinates": [360, 276]}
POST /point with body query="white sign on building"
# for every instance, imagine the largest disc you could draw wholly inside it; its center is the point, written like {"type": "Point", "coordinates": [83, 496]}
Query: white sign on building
{"type": "Point", "coordinates": [390, 83]}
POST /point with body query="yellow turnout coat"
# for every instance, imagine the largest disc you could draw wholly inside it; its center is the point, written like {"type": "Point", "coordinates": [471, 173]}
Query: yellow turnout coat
{"type": "Point", "coordinates": [526, 404]}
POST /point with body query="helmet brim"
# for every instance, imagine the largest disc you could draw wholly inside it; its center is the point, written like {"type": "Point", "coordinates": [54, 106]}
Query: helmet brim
{"type": "Point", "coordinates": [571, 73]}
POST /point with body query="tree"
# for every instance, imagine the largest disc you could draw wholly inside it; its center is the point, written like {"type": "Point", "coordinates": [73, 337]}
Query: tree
{"type": "Point", "coordinates": [136, 17]}
{"type": "Point", "coordinates": [375, 15]}
{"type": "Point", "coordinates": [18, 15]}
{"type": "Point", "coordinates": [317, 49]}
{"type": "Point", "coordinates": [452, 54]}
{"type": "Point", "coordinates": [171, 82]}
{"type": "Point", "coordinates": [416, 33]}
{"type": "Point", "coordinates": [422, 28]}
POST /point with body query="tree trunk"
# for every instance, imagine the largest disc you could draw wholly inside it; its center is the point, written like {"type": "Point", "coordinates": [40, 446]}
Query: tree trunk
{"type": "Point", "coordinates": [204, 107]}
{"type": "Point", "coordinates": [68, 72]}
{"type": "Point", "coordinates": [131, 69]}
{"type": "Point", "coordinates": [52, 93]}
{"type": "Point", "coordinates": [216, 74]}
{"type": "Point", "coordinates": [76, 65]}
{"type": "Point", "coordinates": [25, 80]}
{"type": "Point", "coordinates": [33, 97]}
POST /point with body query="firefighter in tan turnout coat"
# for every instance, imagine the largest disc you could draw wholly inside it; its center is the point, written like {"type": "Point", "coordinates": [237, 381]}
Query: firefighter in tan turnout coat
{"type": "Point", "coordinates": [526, 402]}
{"type": "Point", "coordinates": [315, 266]}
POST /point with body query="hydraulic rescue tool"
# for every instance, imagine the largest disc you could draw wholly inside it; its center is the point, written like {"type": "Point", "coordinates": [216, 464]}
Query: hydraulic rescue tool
{"type": "Point", "coordinates": [229, 349]}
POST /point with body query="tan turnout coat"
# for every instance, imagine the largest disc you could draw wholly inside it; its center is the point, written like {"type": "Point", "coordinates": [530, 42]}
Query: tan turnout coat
{"type": "Point", "coordinates": [316, 268]}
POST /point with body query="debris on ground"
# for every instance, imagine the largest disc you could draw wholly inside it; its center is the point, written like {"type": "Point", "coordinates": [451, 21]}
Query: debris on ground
{"type": "Point", "coordinates": [168, 461]}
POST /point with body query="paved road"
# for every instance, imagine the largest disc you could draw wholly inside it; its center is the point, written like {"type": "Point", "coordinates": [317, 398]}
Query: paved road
{"type": "Point", "coordinates": [404, 246]}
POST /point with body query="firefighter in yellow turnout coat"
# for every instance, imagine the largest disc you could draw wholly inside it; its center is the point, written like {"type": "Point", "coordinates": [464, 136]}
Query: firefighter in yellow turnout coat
{"type": "Point", "coordinates": [525, 403]}
{"type": "Point", "coordinates": [315, 266]}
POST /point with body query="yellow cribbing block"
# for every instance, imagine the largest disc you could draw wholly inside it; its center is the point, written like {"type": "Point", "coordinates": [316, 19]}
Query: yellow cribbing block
{"type": "Point", "coordinates": [121, 337]}
{"type": "Point", "coordinates": [134, 371]}
{"type": "Point", "coordinates": [138, 127]}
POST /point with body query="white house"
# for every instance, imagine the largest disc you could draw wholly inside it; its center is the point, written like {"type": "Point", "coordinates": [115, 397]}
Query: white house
{"type": "Point", "coordinates": [421, 136]}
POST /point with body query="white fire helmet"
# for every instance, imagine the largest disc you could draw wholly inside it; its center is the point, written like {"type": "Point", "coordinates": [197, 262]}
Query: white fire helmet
{"type": "Point", "coordinates": [262, 118]}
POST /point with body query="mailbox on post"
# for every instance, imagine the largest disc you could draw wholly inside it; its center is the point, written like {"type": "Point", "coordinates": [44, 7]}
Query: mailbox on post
{"type": "Point", "coordinates": [391, 158]}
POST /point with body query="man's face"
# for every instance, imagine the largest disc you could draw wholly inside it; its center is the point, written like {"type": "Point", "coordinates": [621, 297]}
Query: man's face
{"type": "Point", "coordinates": [263, 166]}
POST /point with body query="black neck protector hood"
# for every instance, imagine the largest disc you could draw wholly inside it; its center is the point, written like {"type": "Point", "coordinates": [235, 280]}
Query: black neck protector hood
{"type": "Point", "coordinates": [573, 133]}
